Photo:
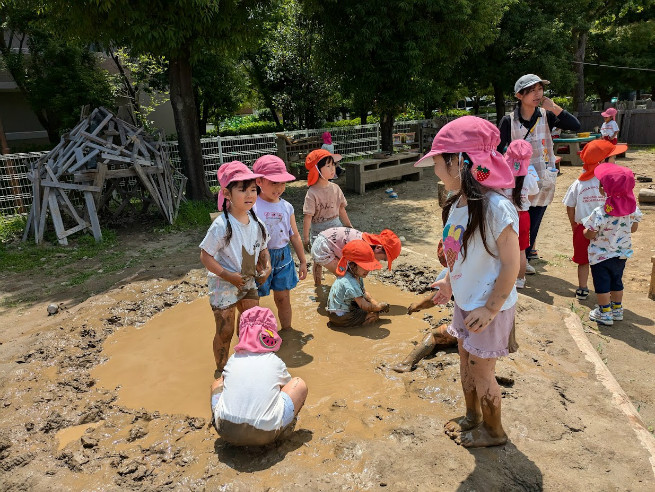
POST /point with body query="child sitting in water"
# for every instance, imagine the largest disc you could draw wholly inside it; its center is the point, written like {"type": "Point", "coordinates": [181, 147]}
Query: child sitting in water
{"type": "Point", "coordinates": [325, 204]}
{"type": "Point", "coordinates": [348, 302]}
{"type": "Point", "coordinates": [256, 399]}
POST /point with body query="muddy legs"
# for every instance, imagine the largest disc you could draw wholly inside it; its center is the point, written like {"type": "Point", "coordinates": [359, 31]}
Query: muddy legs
{"type": "Point", "coordinates": [482, 425]}
{"type": "Point", "coordinates": [224, 319]}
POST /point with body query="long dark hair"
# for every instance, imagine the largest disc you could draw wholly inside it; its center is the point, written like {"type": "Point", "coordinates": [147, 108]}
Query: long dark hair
{"type": "Point", "coordinates": [244, 186]}
{"type": "Point", "coordinates": [476, 199]}
{"type": "Point", "coordinates": [516, 192]}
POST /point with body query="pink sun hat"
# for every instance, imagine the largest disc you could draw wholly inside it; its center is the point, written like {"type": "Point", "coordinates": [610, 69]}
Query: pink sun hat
{"type": "Point", "coordinates": [609, 113]}
{"type": "Point", "coordinates": [479, 139]}
{"type": "Point", "coordinates": [518, 157]}
{"type": "Point", "coordinates": [230, 172]}
{"type": "Point", "coordinates": [258, 331]}
{"type": "Point", "coordinates": [272, 168]}
{"type": "Point", "coordinates": [618, 182]}
{"type": "Point", "coordinates": [327, 138]}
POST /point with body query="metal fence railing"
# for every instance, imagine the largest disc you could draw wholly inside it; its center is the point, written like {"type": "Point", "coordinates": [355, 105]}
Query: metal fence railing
{"type": "Point", "coordinates": [349, 141]}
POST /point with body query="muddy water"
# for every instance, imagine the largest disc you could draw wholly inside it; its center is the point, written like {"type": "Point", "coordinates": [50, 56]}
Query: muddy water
{"type": "Point", "coordinates": [167, 365]}
{"type": "Point", "coordinates": [70, 434]}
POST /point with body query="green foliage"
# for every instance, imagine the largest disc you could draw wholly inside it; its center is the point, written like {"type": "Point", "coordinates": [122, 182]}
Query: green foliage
{"type": "Point", "coordinates": [11, 227]}
{"type": "Point", "coordinates": [564, 102]}
{"type": "Point", "coordinates": [243, 125]}
{"type": "Point", "coordinates": [193, 215]}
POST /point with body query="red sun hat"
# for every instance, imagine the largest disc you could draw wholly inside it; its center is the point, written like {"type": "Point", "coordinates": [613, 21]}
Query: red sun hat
{"type": "Point", "coordinates": [272, 168]}
{"type": "Point", "coordinates": [258, 331]}
{"type": "Point", "coordinates": [230, 172]}
{"type": "Point", "coordinates": [388, 240]}
{"type": "Point", "coordinates": [360, 253]}
{"type": "Point", "coordinates": [596, 152]}
{"type": "Point", "coordinates": [313, 158]}
{"type": "Point", "coordinates": [618, 183]}
{"type": "Point", "coordinates": [479, 139]}
{"type": "Point", "coordinates": [518, 157]}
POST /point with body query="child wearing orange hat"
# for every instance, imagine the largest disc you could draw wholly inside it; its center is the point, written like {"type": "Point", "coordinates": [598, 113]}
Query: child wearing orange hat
{"type": "Point", "coordinates": [349, 304]}
{"type": "Point", "coordinates": [328, 246]}
{"type": "Point", "coordinates": [325, 204]}
{"type": "Point", "coordinates": [582, 197]}
{"type": "Point", "coordinates": [255, 400]}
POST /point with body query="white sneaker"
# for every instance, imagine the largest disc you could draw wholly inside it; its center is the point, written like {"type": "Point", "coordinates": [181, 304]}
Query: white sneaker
{"type": "Point", "coordinates": [617, 314]}
{"type": "Point", "coordinates": [520, 283]}
{"type": "Point", "coordinates": [602, 318]}
{"type": "Point", "coordinates": [529, 269]}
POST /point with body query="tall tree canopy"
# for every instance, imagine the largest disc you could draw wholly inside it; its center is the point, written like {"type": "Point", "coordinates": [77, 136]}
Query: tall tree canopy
{"type": "Point", "coordinates": [383, 50]}
{"type": "Point", "coordinates": [180, 31]}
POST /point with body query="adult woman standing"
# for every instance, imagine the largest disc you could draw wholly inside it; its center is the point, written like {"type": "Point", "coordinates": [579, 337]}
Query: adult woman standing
{"type": "Point", "coordinates": [534, 125]}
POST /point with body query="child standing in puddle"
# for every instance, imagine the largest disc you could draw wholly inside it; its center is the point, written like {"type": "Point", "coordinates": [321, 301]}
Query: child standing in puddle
{"type": "Point", "coordinates": [280, 222]}
{"type": "Point", "coordinates": [482, 252]}
{"type": "Point", "coordinates": [234, 254]}
{"type": "Point", "coordinates": [349, 304]}
{"type": "Point", "coordinates": [325, 204]}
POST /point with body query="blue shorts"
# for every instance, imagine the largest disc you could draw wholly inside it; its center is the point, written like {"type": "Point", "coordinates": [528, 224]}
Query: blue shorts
{"type": "Point", "coordinates": [287, 416]}
{"type": "Point", "coordinates": [608, 275]}
{"type": "Point", "coordinates": [283, 274]}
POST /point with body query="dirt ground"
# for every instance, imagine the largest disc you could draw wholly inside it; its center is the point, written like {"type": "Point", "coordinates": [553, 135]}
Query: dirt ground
{"type": "Point", "coordinates": [112, 392]}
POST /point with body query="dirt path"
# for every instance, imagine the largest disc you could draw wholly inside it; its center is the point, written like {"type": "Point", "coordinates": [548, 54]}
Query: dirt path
{"type": "Point", "coordinates": [65, 424]}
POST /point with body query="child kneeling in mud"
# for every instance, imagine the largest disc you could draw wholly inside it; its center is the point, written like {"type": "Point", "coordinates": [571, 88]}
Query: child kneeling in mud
{"type": "Point", "coordinates": [255, 400]}
{"type": "Point", "coordinates": [348, 303]}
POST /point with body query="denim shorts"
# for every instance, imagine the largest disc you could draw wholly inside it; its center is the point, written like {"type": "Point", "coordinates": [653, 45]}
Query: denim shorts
{"type": "Point", "coordinates": [283, 274]}
{"type": "Point", "coordinates": [608, 275]}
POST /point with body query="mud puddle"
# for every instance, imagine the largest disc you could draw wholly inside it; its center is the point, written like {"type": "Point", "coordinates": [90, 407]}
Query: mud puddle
{"type": "Point", "coordinates": [166, 365]}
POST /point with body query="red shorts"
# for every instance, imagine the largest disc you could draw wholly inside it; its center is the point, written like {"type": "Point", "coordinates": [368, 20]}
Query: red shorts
{"type": "Point", "coordinates": [524, 230]}
{"type": "Point", "coordinates": [611, 140]}
{"type": "Point", "coordinates": [580, 246]}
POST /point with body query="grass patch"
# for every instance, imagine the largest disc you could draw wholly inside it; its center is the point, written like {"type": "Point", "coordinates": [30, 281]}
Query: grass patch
{"type": "Point", "coordinates": [11, 227]}
{"type": "Point", "coordinates": [192, 215]}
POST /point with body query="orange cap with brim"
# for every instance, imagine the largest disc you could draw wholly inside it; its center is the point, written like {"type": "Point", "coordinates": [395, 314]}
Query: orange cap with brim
{"type": "Point", "coordinates": [388, 240]}
{"type": "Point", "coordinates": [596, 152]}
{"type": "Point", "coordinates": [312, 159]}
{"type": "Point", "coordinates": [360, 253]}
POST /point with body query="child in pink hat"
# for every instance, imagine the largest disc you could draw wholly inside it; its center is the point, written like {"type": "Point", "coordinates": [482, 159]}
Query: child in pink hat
{"type": "Point", "coordinates": [481, 246]}
{"type": "Point", "coordinates": [255, 400]}
{"type": "Point", "coordinates": [610, 129]}
{"type": "Point", "coordinates": [525, 189]}
{"type": "Point", "coordinates": [609, 229]}
{"type": "Point", "coordinates": [234, 254]}
{"type": "Point", "coordinates": [327, 142]}
{"type": "Point", "coordinates": [280, 220]}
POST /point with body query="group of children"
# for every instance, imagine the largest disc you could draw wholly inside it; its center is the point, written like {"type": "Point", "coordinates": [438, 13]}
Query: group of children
{"type": "Point", "coordinates": [486, 232]}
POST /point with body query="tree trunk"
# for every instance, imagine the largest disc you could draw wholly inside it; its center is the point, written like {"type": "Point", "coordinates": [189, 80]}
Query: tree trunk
{"type": "Point", "coordinates": [186, 124]}
{"type": "Point", "coordinates": [276, 118]}
{"type": "Point", "coordinates": [363, 116]}
{"type": "Point", "coordinates": [580, 40]}
{"type": "Point", "coordinates": [499, 98]}
{"type": "Point", "coordinates": [386, 131]}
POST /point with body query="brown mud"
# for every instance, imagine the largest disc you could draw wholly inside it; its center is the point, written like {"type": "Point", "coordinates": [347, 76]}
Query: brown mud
{"type": "Point", "coordinates": [113, 392]}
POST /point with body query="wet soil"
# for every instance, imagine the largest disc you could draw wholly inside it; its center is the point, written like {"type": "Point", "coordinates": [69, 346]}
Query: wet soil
{"type": "Point", "coordinates": [112, 392]}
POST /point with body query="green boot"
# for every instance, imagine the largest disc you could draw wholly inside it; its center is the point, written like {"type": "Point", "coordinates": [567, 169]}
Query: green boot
{"type": "Point", "coordinates": [418, 353]}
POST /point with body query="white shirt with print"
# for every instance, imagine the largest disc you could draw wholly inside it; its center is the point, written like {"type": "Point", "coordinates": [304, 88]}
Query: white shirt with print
{"type": "Point", "coordinates": [473, 278]}
{"type": "Point", "coordinates": [277, 217]}
{"type": "Point", "coordinates": [614, 238]}
{"type": "Point", "coordinates": [585, 196]}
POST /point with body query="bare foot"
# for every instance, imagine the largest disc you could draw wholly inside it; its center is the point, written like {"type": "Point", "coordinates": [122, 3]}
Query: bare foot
{"type": "Point", "coordinates": [481, 437]}
{"type": "Point", "coordinates": [371, 318]}
{"type": "Point", "coordinates": [455, 427]}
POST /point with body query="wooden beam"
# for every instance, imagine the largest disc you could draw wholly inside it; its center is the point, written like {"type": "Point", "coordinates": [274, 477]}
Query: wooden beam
{"type": "Point", "coordinates": [93, 216]}
{"type": "Point", "coordinates": [71, 186]}
{"type": "Point", "coordinates": [56, 219]}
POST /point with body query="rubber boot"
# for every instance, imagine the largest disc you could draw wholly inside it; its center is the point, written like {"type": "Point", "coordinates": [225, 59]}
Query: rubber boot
{"type": "Point", "coordinates": [419, 352]}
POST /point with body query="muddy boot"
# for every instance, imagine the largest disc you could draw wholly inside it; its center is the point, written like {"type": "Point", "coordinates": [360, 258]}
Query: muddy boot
{"type": "Point", "coordinates": [420, 351]}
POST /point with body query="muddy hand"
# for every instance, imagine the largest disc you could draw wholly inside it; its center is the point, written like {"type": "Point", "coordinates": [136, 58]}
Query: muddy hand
{"type": "Point", "coordinates": [384, 307]}
{"type": "Point", "coordinates": [305, 245]}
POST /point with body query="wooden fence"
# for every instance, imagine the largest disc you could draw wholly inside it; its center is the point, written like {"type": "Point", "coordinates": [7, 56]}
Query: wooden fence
{"type": "Point", "coordinates": [636, 126]}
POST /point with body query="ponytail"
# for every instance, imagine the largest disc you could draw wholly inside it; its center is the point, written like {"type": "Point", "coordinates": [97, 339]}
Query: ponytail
{"type": "Point", "coordinates": [262, 227]}
{"type": "Point", "coordinates": [516, 192]}
{"type": "Point", "coordinates": [228, 226]}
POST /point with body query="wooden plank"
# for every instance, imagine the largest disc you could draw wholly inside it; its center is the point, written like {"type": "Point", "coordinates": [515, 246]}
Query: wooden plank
{"type": "Point", "coordinates": [71, 186]}
{"type": "Point", "coordinates": [93, 216]}
{"type": "Point", "coordinates": [166, 198]}
{"type": "Point", "coordinates": [121, 133]}
{"type": "Point", "coordinates": [180, 192]}
{"type": "Point", "coordinates": [44, 212]}
{"type": "Point", "coordinates": [151, 189]}
{"type": "Point", "coordinates": [36, 203]}
{"type": "Point", "coordinates": [87, 158]}
{"type": "Point", "coordinates": [71, 207]}
{"type": "Point", "coordinates": [89, 175]}
{"type": "Point", "coordinates": [99, 181]}
{"type": "Point", "coordinates": [102, 124]}
{"type": "Point", "coordinates": [56, 219]}
{"type": "Point", "coordinates": [28, 226]}
{"type": "Point", "coordinates": [128, 160]}
{"type": "Point", "coordinates": [75, 229]}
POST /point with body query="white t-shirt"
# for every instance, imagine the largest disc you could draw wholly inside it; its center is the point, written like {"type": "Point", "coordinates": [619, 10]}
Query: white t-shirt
{"type": "Point", "coordinates": [530, 187]}
{"type": "Point", "coordinates": [242, 253]}
{"type": "Point", "coordinates": [277, 217]}
{"type": "Point", "coordinates": [609, 128]}
{"type": "Point", "coordinates": [614, 238]}
{"type": "Point", "coordinates": [251, 390]}
{"type": "Point", "coordinates": [473, 279]}
{"type": "Point", "coordinates": [585, 196]}
{"type": "Point", "coordinates": [328, 147]}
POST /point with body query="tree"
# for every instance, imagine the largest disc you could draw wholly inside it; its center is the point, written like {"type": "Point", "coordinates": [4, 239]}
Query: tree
{"type": "Point", "coordinates": [383, 49]}
{"type": "Point", "coordinates": [57, 77]}
{"type": "Point", "coordinates": [180, 31]}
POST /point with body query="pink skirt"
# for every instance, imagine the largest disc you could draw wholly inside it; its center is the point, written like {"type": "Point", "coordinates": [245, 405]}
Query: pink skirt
{"type": "Point", "coordinates": [497, 339]}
